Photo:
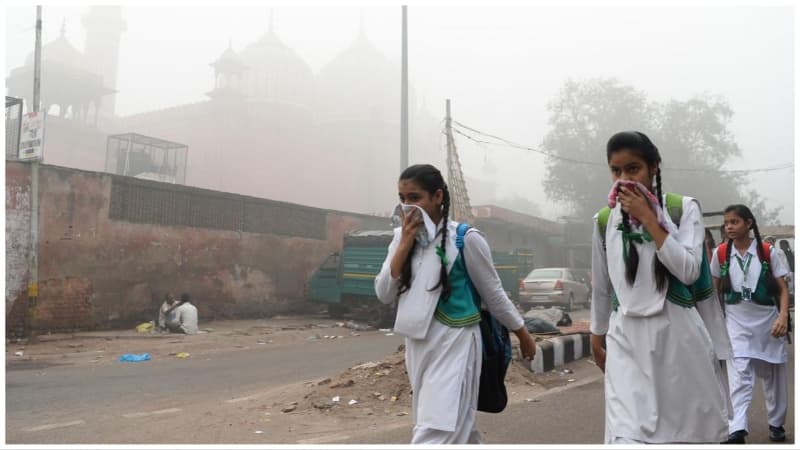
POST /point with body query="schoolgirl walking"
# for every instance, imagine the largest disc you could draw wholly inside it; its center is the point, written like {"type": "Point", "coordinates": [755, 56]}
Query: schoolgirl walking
{"type": "Point", "coordinates": [748, 273]}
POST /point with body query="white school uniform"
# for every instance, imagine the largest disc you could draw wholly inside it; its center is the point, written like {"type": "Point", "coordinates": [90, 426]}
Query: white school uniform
{"type": "Point", "coordinates": [756, 353]}
{"type": "Point", "coordinates": [663, 380]}
{"type": "Point", "coordinates": [444, 363]}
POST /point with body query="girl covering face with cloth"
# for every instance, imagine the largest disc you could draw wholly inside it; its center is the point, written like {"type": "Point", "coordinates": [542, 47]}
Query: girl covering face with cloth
{"type": "Point", "coordinates": [436, 312]}
{"type": "Point", "coordinates": [656, 331]}
{"type": "Point", "coordinates": [749, 275]}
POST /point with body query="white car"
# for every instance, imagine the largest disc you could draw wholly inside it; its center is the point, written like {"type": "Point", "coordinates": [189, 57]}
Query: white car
{"type": "Point", "coordinates": [555, 286]}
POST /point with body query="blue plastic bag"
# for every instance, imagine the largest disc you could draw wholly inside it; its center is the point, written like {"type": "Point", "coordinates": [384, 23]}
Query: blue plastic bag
{"type": "Point", "coordinates": [131, 357]}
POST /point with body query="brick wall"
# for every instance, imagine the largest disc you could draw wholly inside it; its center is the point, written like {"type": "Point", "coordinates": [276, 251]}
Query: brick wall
{"type": "Point", "coordinates": [111, 246]}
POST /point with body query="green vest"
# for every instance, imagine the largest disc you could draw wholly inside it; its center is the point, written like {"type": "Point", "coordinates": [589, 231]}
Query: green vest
{"type": "Point", "coordinates": [759, 296]}
{"type": "Point", "coordinates": [458, 310]}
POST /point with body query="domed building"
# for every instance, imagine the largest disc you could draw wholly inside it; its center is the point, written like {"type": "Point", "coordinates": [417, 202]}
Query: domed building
{"type": "Point", "coordinates": [73, 90]}
{"type": "Point", "coordinates": [71, 96]}
{"type": "Point", "coordinates": [268, 127]}
{"type": "Point", "coordinates": [358, 115]}
{"type": "Point", "coordinates": [276, 73]}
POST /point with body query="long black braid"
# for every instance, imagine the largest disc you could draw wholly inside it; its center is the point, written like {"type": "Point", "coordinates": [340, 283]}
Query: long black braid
{"type": "Point", "coordinates": [430, 179]}
{"type": "Point", "coordinates": [632, 263]}
{"type": "Point", "coordinates": [644, 147]}
{"type": "Point", "coordinates": [725, 283]}
{"type": "Point", "coordinates": [444, 278]}
{"type": "Point", "coordinates": [661, 272]}
{"type": "Point", "coordinates": [745, 214]}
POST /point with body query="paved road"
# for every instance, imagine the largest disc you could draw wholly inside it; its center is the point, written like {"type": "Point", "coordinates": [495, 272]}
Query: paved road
{"type": "Point", "coordinates": [62, 394]}
{"type": "Point", "coordinates": [571, 416]}
{"type": "Point", "coordinates": [43, 397]}
{"type": "Point", "coordinates": [575, 415]}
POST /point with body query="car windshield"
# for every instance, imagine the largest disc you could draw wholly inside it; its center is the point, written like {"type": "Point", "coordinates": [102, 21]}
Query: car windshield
{"type": "Point", "coordinates": [544, 274]}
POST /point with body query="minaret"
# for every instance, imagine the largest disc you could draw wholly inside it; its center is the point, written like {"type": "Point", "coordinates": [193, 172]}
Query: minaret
{"type": "Point", "coordinates": [104, 27]}
{"type": "Point", "coordinates": [228, 69]}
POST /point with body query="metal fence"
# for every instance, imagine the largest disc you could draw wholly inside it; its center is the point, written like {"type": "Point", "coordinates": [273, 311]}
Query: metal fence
{"type": "Point", "coordinates": [141, 201]}
{"type": "Point", "coordinates": [13, 127]}
{"type": "Point", "coordinates": [147, 158]}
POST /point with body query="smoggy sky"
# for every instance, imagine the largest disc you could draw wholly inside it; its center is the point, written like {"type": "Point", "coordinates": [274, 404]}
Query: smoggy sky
{"type": "Point", "coordinates": [499, 65]}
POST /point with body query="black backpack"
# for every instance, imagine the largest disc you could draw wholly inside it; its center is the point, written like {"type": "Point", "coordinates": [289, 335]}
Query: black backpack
{"type": "Point", "coordinates": [492, 394]}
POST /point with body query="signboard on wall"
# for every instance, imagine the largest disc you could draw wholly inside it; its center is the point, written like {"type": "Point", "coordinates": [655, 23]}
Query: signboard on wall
{"type": "Point", "coordinates": [31, 140]}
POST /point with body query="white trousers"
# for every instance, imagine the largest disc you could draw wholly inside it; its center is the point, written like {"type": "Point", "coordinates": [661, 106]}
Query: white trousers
{"type": "Point", "coordinates": [431, 436]}
{"type": "Point", "coordinates": [742, 373]}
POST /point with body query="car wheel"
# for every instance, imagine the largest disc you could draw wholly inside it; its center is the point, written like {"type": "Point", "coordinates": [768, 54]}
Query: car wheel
{"type": "Point", "coordinates": [571, 302]}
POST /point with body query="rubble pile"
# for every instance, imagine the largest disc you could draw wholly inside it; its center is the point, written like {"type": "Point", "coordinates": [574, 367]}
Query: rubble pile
{"type": "Point", "coordinates": [371, 387]}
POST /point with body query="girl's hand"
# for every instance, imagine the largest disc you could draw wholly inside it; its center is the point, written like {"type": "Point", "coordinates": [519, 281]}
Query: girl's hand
{"type": "Point", "coordinates": [411, 222]}
{"type": "Point", "coordinates": [598, 351]}
{"type": "Point", "coordinates": [527, 345]}
{"type": "Point", "coordinates": [635, 204]}
{"type": "Point", "coordinates": [781, 326]}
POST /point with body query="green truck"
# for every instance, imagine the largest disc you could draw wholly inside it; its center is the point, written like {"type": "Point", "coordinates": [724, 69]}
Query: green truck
{"type": "Point", "coordinates": [345, 281]}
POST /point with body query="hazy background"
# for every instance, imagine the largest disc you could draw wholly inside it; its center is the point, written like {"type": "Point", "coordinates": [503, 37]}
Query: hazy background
{"type": "Point", "coordinates": [499, 66]}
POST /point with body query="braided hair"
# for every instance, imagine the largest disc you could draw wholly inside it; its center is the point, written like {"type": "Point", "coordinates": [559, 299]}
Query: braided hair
{"type": "Point", "coordinates": [429, 179]}
{"type": "Point", "coordinates": [745, 214]}
{"type": "Point", "coordinates": [642, 146]}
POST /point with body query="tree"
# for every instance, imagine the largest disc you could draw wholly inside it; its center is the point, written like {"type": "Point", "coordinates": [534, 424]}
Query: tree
{"type": "Point", "coordinates": [692, 136]}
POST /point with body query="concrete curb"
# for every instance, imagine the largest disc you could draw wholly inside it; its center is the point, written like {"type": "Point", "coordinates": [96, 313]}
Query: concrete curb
{"type": "Point", "coordinates": [559, 350]}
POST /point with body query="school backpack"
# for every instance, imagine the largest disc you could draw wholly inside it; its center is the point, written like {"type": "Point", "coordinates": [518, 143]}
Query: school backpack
{"type": "Point", "coordinates": [722, 253]}
{"type": "Point", "coordinates": [492, 394]}
{"type": "Point", "coordinates": [722, 257]}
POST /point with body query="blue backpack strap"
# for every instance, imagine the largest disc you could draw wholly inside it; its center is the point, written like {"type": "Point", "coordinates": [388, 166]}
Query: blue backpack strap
{"type": "Point", "coordinates": [461, 231]}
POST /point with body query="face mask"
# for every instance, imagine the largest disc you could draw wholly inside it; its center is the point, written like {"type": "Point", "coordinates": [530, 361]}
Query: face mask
{"type": "Point", "coordinates": [425, 233]}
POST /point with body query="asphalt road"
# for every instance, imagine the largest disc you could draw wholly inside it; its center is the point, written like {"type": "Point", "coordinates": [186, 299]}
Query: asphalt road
{"type": "Point", "coordinates": [65, 394]}
{"type": "Point", "coordinates": [574, 415]}
{"type": "Point", "coordinates": [57, 396]}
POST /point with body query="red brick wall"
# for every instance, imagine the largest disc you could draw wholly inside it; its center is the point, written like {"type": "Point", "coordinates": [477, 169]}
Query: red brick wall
{"type": "Point", "coordinates": [96, 272]}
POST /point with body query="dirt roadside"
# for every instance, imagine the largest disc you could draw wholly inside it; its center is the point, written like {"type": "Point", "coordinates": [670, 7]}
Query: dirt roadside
{"type": "Point", "coordinates": [368, 398]}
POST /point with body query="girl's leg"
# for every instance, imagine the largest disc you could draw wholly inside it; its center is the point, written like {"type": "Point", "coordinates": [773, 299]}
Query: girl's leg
{"type": "Point", "coordinates": [616, 440]}
{"type": "Point", "coordinates": [431, 436]}
{"type": "Point", "coordinates": [776, 393]}
{"type": "Point", "coordinates": [741, 378]}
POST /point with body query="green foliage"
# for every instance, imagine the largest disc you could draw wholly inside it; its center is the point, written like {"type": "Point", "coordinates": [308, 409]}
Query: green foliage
{"type": "Point", "coordinates": [691, 134]}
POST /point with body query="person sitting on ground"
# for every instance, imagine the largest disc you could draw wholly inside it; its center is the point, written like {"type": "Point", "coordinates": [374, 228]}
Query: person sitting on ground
{"type": "Point", "coordinates": [184, 319]}
{"type": "Point", "coordinates": [166, 311]}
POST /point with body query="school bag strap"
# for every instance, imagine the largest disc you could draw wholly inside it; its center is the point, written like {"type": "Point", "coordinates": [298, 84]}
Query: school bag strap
{"type": "Point", "coordinates": [722, 253]}
{"type": "Point", "coordinates": [461, 232]}
{"type": "Point", "coordinates": [496, 343]}
{"type": "Point", "coordinates": [602, 222]}
{"type": "Point", "coordinates": [675, 208]}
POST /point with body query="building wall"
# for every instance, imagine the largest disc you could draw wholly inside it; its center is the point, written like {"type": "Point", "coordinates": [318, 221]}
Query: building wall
{"type": "Point", "coordinates": [111, 246]}
{"type": "Point", "coordinates": [18, 231]}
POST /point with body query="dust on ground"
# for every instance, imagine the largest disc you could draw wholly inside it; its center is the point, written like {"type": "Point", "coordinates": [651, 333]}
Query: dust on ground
{"type": "Point", "coordinates": [369, 397]}
{"type": "Point", "coordinates": [105, 347]}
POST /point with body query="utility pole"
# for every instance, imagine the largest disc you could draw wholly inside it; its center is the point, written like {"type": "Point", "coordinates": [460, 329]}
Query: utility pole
{"type": "Point", "coordinates": [404, 96]}
{"type": "Point", "coordinates": [33, 283]}
{"type": "Point", "coordinates": [459, 198]}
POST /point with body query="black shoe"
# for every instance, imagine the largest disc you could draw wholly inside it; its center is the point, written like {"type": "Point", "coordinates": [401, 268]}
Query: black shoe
{"type": "Point", "coordinates": [777, 434]}
{"type": "Point", "coordinates": [737, 437]}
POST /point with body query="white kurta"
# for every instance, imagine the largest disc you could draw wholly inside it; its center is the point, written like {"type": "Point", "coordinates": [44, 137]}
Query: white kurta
{"type": "Point", "coordinates": [663, 381]}
{"type": "Point", "coordinates": [749, 324]}
{"type": "Point", "coordinates": [444, 362]}
{"type": "Point", "coordinates": [756, 352]}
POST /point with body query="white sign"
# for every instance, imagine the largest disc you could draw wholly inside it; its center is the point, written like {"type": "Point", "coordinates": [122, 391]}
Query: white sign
{"type": "Point", "coordinates": [31, 140]}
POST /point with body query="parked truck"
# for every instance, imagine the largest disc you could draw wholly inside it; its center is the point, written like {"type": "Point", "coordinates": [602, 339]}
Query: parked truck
{"type": "Point", "coordinates": [345, 281]}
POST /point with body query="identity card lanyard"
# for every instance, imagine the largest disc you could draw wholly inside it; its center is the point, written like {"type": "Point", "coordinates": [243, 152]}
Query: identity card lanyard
{"type": "Point", "coordinates": [747, 293]}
